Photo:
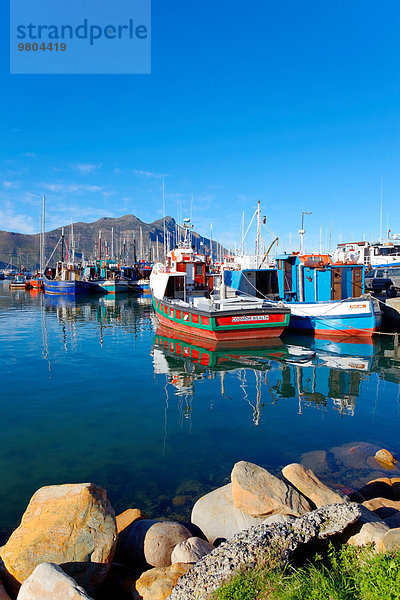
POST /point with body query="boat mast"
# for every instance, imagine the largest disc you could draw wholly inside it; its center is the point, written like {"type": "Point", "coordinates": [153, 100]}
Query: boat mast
{"type": "Point", "coordinates": [72, 243]}
{"type": "Point", "coordinates": [112, 243]}
{"type": "Point", "coordinates": [380, 224]}
{"type": "Point", "coordinates": [99, 244]}
{"type": "Point", "coordinates": [43, 232]}
{"type": "Point", "coordinates": [163, 210]}
{"type": "Point", "coordinates": [258, 238]}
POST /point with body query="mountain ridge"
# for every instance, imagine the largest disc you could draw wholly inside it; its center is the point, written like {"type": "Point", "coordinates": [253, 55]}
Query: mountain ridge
{"type": "Point", "coordinates": [143, 240]}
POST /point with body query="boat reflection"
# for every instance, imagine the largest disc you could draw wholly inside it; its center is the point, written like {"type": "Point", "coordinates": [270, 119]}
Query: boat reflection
{"type": "Point", "coordinates": [320, 373]}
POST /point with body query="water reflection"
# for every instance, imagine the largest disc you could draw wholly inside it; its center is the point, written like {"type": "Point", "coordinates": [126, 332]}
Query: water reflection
{"type": "Point", "coordinates": [319, 373]}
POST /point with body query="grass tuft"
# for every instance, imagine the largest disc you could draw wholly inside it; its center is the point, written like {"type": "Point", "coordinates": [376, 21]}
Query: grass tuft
{"type": "Point", "coordinates": [347, 573]}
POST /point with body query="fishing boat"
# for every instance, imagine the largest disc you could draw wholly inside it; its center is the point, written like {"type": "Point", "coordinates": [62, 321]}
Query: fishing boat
{"type": "Point", "coordinates": [188, 298]}
{"type": "Point", "coordinates": [65, 279]}
{"type": "Point", "coordinates": [20, 282]}
{"type": "Point", "coordinates": [327, 298]}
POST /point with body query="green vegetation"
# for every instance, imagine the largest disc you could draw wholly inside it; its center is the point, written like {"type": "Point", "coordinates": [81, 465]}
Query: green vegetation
{"type": "Point", "coordinates": [347, 573]}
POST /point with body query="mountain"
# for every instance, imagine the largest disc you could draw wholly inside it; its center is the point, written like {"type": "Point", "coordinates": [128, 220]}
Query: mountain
{"type": "Point", "coordinates": [131, 236]}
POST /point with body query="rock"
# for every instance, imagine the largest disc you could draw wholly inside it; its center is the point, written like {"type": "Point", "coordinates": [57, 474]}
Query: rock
{"type": "Point", "coordinates": [306, 482]}
{"type": "Point", "coordinates": [354, 455]}
{"type": "Point", "coordinates": [180, 500]}
{"type": "Point", "coordinates": [157, 584]}
{"type": "Point", "coordinates": [258, 493]}
{"type": "Point", "coordinates": [368, 529]}
{"type": "Point", "coordinates": [190, 551]}
{"type": "Point", "coordinates": [381, 487]}
{"type": "Point", "coordinates": [150, 542]}
{"type": "Point", "coordinates": [70, 525]}
{"type": "Point", "coordinates": [3, 593]}
{"type": "Point", "coordinates": [278, 519]}
{"type": "Point", "coordinates": [246, 547]}
{"type": "Point", "coordinates": [390, 541]}
{"type": "Point", "coordinates": [383, 507]}
{"type": "Point", "coordinates": [118, 582]}
{"type": "Point", "coordinates": [385, 458]}
{"type": "Point", "coordinates": [218, 518]}
{"type": "Point", "coordinates": [319, 461]}
{"type": "Point", "coordinates": [127, 517]}
{"type": "Point", "coordinates": [392, 522]}
{"type": "Point", "coordinates": [49, 582]}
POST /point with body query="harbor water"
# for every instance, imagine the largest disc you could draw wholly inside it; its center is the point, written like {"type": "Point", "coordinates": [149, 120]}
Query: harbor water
{"type": "Point", "coordinates": [92, 391]}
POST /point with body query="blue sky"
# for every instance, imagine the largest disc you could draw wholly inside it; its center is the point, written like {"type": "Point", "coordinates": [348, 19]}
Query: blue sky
{"type": "Point", "coordinates": [295, 104]}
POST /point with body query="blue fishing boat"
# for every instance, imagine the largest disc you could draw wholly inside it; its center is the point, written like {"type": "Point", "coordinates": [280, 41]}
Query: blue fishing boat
{"type": "Point", "coordinates": [66, 280]}
{"type": "Point", "coordinates": [326, 298]}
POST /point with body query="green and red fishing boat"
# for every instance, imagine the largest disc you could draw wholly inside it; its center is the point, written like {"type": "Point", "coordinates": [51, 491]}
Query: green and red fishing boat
{"type": "Point", "coordinates": [188, 297]}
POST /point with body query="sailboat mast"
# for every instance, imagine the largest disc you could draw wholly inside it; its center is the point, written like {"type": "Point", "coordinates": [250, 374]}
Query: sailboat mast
{"type": "Point", "coordinates": [43, 232]}
{"type": "Point", "coordinates": [72, 243]}
{"type": "Point", "coordinates": [163, 210]}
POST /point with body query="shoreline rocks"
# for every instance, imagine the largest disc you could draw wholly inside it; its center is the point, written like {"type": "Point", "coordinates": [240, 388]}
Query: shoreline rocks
{"type": "Point", "coordinates": [70, 545]}
{"type": "Point", "coordinates": [72, 525]}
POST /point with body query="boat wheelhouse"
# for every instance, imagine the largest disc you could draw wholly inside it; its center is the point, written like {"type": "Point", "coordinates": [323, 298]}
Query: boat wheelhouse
{"type": "Point", "coordinates": [327, 298]}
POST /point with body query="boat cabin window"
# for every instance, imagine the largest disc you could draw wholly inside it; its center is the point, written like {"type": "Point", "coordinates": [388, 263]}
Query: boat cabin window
{"type": "Point", "coordinates": [380, 273]}
{"type": "Point", "coordinates": [199, 269]}
{"type": "Point", "coordinates": [175, 287]}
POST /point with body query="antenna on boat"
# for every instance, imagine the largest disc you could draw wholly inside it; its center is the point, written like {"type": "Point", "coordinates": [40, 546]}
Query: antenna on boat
{"type": "Point", "coordinates": [258, 238]}
{"type": "Point", "coordinates": [163, 209]}
{"type": "Point", "coordinates": [380, 225]}
{"type": "Point", "coordinates": [302, 230]}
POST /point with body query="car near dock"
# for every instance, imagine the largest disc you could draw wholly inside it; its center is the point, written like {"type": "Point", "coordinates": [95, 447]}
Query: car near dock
{"type": "Point", "coordinates": [383, 279]}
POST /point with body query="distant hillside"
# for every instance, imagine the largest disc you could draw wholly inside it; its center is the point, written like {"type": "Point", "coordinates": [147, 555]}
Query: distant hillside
{"type": "Point", "coordinates": [131, 237]}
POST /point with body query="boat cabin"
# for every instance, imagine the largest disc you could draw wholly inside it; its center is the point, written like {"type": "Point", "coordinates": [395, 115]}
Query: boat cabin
{"type": "Point", "coordinates": [315, 278]}
{"type": "Point", "coordinates": [185, 274]}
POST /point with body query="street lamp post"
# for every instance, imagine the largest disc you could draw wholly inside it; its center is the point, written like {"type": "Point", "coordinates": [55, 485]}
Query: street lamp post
{"type": "Point", "coordinates": [302, 230]}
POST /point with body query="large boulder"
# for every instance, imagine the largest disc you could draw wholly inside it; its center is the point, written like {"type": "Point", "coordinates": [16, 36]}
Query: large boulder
{"type": "Point", "coordinates": [157, 584]}
{"type": "Point", "coordinates": [150, 542]}
{"type": "Point", "coordinates": [218, 518]}
{"type": "Point", "coordinates": [49, 582]}
{"type": "Point", "coordinates": [259, 493]}
{"type": "Point", "coordinates": [70, 525]}
{"type": "Point", "coordinates": [309, 485]}
{"type": "Point", "coordinates": [190, 551]}
{"type": "Point", "coordinates": [369, 529]}
{"type": "Point", "coordinates": [246, 548]}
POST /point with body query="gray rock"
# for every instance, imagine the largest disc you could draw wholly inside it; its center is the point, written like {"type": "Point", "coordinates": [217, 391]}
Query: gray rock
{"type": "Point", "coordinates": [245, 547]}
{"type": "Point", "coordinates": [190, 551]}
{"type": "Point", "coordinates": [218, 518]}
{"type": "Point", "coordinates": [48, 582]}
{"type": "Point", "coordinates": [278, 519]}
{"type": "Point", "coordinates": [149, 542]}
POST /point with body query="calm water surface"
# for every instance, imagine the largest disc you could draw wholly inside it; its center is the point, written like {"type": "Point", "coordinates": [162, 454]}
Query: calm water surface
{"type": "Point", "coordinates": [91, 392]}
